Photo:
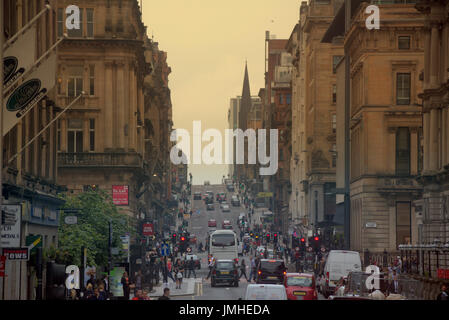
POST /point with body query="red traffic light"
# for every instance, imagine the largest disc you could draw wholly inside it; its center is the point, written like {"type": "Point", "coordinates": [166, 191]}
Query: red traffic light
{"type": "Point", "coordinates": [174, 235]}
{"type": "Point", "coordinates": [316, 238]}
{"type": "Point", "coordinates": [303, 240]}
{"type": "Point", "coordinates": [275, 234]}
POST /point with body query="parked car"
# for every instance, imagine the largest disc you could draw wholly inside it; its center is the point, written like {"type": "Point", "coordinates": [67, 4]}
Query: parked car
{"type": "Point", "coordinates": [235, 201]}
{"type": "Point", "coordinates": [225, 271]}
{"type": "Point", "coordinates": [197, 196]}
{"type": "Point", "coordinates": [212, 223]}
{"type": "Point", "coordinates": [210, 207]}
{"type": "Point", "coordinates": [339, 263]}
{"type": "Point", "coordinates": [265, 292]}
{"type": "Point", "coordinates": [271, 271]}
{"type": "Point", "coordinates": [300, 286]}
{"type": "Point", "coordinates": [196, 260]}
{"type": "Point", "coordinates": [225, 208]}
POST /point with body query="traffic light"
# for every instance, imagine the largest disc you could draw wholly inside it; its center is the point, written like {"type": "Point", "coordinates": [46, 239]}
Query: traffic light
{"type": "Point", "coordinates": [268, 237]}
{"type": "Point", "coordinates": [173, 239]}
{"type": "Point", "coordinates": [316, 243]}
{"type": "Point", "coordinates": [275, 238]}
{"type": "Point", "coordinates": [251, 235]}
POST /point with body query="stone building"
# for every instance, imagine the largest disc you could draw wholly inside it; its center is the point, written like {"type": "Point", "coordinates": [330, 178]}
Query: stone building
{"type": "Point", "coordinates": [31, 179]}
{"type": "Point", "coordinates": [385, 126]}
{"type": "Point", "coordinates": [434, 178]}
{"type": "Point", "coordinates": [117, 136]}
{"type": "Point", "coordinates": [314, 116]}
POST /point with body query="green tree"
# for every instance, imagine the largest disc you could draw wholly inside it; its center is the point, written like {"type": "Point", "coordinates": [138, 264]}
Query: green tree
{"type": "Point", "coordinates": [95, 210]}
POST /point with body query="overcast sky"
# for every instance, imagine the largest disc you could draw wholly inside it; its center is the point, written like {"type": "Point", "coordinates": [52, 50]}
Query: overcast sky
{"type": "Point", "coordinates": [207, 42]}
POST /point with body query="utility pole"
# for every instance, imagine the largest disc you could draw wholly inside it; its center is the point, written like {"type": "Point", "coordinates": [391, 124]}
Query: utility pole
{"type": "Point", "coordinates": [347, 220]}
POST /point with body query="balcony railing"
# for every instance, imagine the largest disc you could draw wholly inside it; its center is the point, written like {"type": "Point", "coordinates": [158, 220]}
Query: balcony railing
{"type": "Point", "coordinates": [88, 159]}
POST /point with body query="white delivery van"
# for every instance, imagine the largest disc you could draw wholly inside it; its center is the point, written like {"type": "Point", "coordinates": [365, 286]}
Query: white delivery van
{"type": "Point", "coordinates": [265, 292]}
{"type": "Point", "coordinates": [338, 264]}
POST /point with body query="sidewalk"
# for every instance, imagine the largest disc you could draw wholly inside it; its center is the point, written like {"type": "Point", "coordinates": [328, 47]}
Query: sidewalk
{"type": "Point", "coordinates": [187, 288]}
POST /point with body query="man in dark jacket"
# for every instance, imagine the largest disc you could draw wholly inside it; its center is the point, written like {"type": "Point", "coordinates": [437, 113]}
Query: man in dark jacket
{"type": "Point", "coordinates": [191, 267]}
{"type": "Point", "coordinates": [166, 295]}
{"type": "Point", "coordinates": [443, 295]}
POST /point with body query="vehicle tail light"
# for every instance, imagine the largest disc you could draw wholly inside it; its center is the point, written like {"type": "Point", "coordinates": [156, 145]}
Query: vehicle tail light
{"type": "Point", "coordinates": [259, 272]}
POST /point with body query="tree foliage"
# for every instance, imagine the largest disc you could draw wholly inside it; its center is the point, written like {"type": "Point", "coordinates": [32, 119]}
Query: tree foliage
{"type": "Point", "coordinates": [95, 210]}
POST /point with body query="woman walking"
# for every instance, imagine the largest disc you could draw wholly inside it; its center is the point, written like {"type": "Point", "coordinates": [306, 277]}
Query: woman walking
{"type": "Point", "coordinates": [125, 285]}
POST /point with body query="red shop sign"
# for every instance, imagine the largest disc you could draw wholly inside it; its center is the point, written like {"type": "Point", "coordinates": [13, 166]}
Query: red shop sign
{"type": "Point", "coordinates": [120, 195]}
{"type": "Point", "coordinates": [2, 265]}
{"type": "Point", "coordinates": [443, 273]}
{"type": "Point", "coordinates": [148, 229]}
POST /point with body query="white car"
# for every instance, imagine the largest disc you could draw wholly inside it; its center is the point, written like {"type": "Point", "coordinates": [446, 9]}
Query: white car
{"type": "Point", "coordinates": [265, 292]}
{"type": "Point", "coordinates": [225, 208]}
{"type": "Point", "coordinates": [224, 203]}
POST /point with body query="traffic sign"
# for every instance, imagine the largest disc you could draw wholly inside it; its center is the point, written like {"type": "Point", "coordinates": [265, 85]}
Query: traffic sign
{"type": "Point", "coordinates": [265, 194]}
{"type": "Point", "coordinates": [165, 250]}
{"type": "Point", "coordinates": [148, 229]}
{"type": "Point", "coordinates": [71, 220]}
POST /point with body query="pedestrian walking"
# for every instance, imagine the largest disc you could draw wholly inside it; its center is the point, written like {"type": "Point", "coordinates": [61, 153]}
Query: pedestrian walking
{"type": "Point", "coordinates": [191, 267]}
{"type": "Point", "coordinates": [211, 265]}
{"type": "Point", "coordinates": [243, 270]}
{"type": "Point", "coordinates": [125, 285]}
{"type": "Point", "coordinates": [178, 279]}
{"type": "Point", "coordinates": [252, 274]}
{"type": "Point", "coordinates": [139, 280]}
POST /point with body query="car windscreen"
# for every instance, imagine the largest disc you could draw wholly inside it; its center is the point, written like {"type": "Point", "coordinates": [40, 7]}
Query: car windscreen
{"type": "Point", "coordinates": [225, 265]}
{"type": "Point", "coordinates": [272, 266]}
{"type": "Point", "coordinates": [223, 240]}
{"type": "Point", "coordinates": [299, 281]}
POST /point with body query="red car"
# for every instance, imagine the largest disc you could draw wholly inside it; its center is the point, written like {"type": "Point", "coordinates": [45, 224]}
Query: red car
{"type": "Point", "coordinates": [212, 223]}
{"type": "Point", "coordinates": [300, 286]}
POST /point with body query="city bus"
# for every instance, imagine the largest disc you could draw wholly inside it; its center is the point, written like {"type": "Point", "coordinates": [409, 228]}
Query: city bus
{"type": "Point", "coordinates": [223, 245]}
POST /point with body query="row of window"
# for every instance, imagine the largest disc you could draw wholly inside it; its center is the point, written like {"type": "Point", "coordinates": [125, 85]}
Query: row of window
{"type": "Point", "coordinates": [287, 99]}
{"type": "Point", "coordinates": [75, 135]}
{"type": "Point", "coordinates": [75, 81]}
{"type": "Point", "coordinates": [403, 44]}
{"type": "Point", "coordinates": [403, 89]}
{"type": "Point", "coordinates": [86, 21]}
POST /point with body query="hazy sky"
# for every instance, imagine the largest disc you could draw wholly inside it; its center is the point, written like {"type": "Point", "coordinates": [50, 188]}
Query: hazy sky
{"type": "Point", "coordinates": [208, 42]}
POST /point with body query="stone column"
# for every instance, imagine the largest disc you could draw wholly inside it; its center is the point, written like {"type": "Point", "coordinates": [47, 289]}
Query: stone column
{"type": "Point", "coordinates": [63, 134]}
{"type": "Point", "coordinates": [121, 105]}
{"type": "Point", "coordinates": [108, 107]}
{"type": "Point", "coordinates": [427, 54]}
{"type": "Point", "coordinates": [446, 141]}
{"type": "Point", "coordinates": [434, 60]}
{"type": "Point", "coordinates": [426, 134]}
{"type": "Point", "coordinates": [433, 151]}
{"type": "Point", "coordinates": [414, 151]}
{"type": "Point", "coordinates": [444, 136]}
{"type": "Point", "coordinates": [133, 107]}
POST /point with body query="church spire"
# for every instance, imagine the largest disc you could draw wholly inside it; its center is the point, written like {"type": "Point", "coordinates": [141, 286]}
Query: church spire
{"type": "Point", "coordinates": [246, 103]}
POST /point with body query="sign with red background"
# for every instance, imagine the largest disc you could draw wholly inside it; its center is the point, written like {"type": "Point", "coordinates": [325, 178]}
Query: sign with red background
{"type": "Point", "coordinates": [120, 195]}
{"type": "Point", "coordinates": [148, 229]}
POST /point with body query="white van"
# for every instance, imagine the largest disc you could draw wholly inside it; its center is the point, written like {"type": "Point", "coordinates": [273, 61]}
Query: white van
{"type": "Point", "coordinates": [338, 264]}
{"type": "Point", "coordinates": [265, 292]}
